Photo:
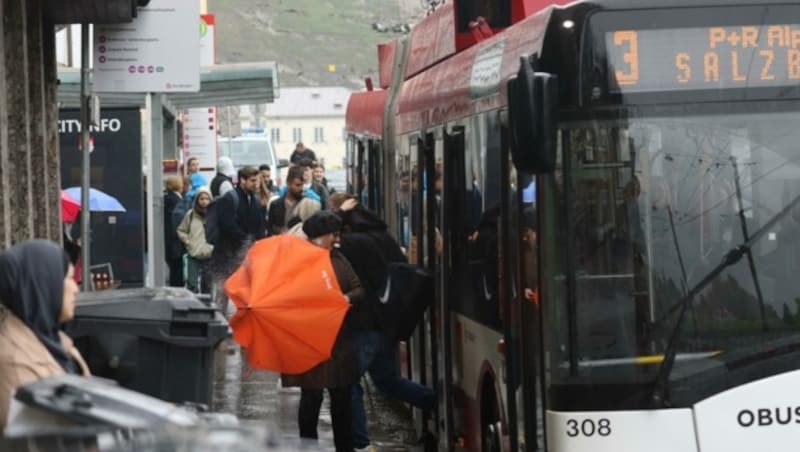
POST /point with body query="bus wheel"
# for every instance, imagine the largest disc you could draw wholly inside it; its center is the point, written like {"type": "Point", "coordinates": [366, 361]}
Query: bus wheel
{"type": "Point", "coordinates": [490, 422]}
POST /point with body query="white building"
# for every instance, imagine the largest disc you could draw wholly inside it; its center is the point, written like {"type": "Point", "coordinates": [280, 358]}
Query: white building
{"type": "Point", "coordinates": [312, 115]}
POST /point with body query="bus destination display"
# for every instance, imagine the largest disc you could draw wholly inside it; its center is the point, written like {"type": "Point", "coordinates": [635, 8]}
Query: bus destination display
{"type": "Point", "coordinates": [703, 58]}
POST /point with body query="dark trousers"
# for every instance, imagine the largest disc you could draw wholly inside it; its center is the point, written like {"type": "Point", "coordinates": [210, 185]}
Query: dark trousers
{"type": "Point", "coordinates": [341, 415]}
{"type": "Point", "coordinates": [175, 272]}
{"type": "Point", "coordinates": [380, 360]}
{"type": "Point", "coordinates": [197, 275]}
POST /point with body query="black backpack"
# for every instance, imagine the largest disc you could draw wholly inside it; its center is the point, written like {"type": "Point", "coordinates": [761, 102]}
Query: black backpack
{"type": "Point", "coordinates": [404, 298]}
{"type": "Point", "coordinates": [213, 216]}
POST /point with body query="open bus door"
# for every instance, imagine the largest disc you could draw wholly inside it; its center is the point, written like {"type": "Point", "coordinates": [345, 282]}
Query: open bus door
{"type": "Point", "coordinates": [453, 265]}
{"type": "Point", "coordinates": [520, 304]}
{"type": "Point", "coordinates": [416, 255]}
{"type": "Point", "coordinates": [508, 256]}
{"type": "Point", "coordinates": [358, 181]}
{"type": "Point", "coordinates": [432, 263]}
{"type": "Point", "coordinates": [372, 178]}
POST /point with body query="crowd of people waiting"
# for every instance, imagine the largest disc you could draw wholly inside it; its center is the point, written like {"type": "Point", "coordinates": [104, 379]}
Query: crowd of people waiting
{"type": "Point", "coordinates": [208, 230]}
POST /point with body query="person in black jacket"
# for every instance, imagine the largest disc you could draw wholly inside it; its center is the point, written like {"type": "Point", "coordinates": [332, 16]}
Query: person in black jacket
{"type": "Point", "coordinates": [302, 152]}
{"type": "Point", "coordinates": [241, 220]}
{"type": "Point", "coordinates": [282, 210]}
{"type": "Point", "coordinates": [173, 248]}
{"type": "Point", "coordinates": [367, 244]}
{"type": "Point", "coordinates": [223, 180]}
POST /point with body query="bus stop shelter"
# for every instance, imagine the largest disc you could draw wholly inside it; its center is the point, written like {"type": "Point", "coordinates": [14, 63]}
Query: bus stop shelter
{"type": "Point", "coordinates": [220, 85]}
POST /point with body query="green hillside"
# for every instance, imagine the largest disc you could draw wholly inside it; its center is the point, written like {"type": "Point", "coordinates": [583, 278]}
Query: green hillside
{"type": "Point", "coordinates": [305, 37]}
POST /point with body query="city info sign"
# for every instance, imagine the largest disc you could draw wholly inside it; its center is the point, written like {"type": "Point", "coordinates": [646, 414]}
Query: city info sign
{"type": "Point", "coordinates": [159, 52]}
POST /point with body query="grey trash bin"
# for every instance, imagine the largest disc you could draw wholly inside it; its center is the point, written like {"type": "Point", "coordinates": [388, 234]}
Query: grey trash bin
{"type": "Point", "coordinates": [157, 341]}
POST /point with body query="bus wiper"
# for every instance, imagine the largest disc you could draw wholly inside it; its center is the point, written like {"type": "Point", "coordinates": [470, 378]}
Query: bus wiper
{"type": "Point", "coordinates": [750, 260]}
{"type": "Point", "coordinates": [660, 395]}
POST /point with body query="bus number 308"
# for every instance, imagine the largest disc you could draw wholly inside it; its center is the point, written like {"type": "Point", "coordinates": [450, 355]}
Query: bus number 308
{"type": "Point", "coordinates": [588, 427]}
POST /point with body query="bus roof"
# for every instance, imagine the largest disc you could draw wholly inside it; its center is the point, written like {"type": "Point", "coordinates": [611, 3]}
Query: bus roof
{"type": "Point", "coordinates": [469, 82]}
{"type": "Point", "coordinates": [635, 4]}
{"type": "Point", "coordinates": [454, 88]}
{"type": "Point", "coordinates": [365, 113]}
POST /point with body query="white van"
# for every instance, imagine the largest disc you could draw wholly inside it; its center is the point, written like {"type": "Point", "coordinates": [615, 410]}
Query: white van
{"type": "Point", "coordinates": [252, 150]}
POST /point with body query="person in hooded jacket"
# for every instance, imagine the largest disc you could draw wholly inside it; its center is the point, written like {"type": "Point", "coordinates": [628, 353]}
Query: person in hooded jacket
{"type": "Point", "coordinates": [196, 181]}
{"type": "Point", "coordinates": [223, 180]}
{"type": "Point", "coordinates": [37, 294]}
{"type": "Point", "coordinates": [368, 246]}
{"type": "Point", "coordinates": [337, 374]}
{"type": "Point", "coordinates": [191, 231]}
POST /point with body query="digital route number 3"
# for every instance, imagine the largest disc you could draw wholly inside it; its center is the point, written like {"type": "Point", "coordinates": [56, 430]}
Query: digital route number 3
{"type": "Point", "coordinates": [588, 427]}
{"type": "Point", "coordinates": [631, 57]}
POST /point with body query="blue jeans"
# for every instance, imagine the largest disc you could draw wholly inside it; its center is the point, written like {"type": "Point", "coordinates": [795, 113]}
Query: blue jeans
{"type": "Point", "coordinates": [380, 360]}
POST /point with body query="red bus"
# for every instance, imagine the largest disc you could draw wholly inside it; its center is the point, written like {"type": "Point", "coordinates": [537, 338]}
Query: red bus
{"type": "Point", "coordinates": [645, 298]}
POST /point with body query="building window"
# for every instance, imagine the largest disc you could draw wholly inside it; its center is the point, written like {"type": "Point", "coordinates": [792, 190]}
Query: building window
{"type": "Point", "coordinates": [297, 134]}
{"type": "Point", "coordinates": [319, 135]}
{"type": "Point", "coordinates": [275, 135]}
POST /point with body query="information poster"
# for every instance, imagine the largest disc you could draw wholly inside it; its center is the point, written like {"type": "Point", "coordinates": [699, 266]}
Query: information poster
{"type": "Point", "coordinates": [200, 136]}
{"type": "Point", "coordinates": [158, 52]}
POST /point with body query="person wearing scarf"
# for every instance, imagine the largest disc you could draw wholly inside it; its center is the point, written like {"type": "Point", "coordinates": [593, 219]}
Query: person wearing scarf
{"type": "Point", "coordinates": [37, 294]}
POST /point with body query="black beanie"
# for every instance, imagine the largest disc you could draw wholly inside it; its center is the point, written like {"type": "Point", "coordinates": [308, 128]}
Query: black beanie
{"type": "Point", "coordinates": [322, 223]}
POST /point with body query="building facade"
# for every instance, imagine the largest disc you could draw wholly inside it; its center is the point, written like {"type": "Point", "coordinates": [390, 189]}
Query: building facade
{"type": "Point", "coordinates": [314, 116]}
{"type": "Point", "coordinates": [29, 169]}
{"type": "Point", "coordinates": [30, 189]}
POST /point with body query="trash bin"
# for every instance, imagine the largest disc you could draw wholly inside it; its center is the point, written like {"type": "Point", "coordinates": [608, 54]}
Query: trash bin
{"type": "Point", "coordinates": [69, 412]}
{"type": "Point", "coordinates": [157, 341]}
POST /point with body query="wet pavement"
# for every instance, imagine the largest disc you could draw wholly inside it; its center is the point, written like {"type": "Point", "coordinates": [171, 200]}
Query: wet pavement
{"type": "Point", "coordinates": [256, 395]}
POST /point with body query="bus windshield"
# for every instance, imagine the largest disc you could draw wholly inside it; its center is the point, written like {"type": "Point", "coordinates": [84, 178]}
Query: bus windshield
{"type": "Point", "coordinates": [657, 202]}
{"type": "Point", "coordinates": [247, 152]}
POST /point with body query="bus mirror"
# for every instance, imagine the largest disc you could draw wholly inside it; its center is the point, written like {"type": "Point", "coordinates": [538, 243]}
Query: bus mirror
{"type": "Point", "coordinates": [533, 119]}
{"type": "Point", "coordinates": [283, 163]}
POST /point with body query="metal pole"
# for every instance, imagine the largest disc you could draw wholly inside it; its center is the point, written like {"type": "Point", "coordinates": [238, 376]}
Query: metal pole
{"type": "Point", "coordinates": [155, 208]}
{"type": "Point", "coordinates": [85, 163]}
{"type": "Point", "coordinates": [230, 151]}
{"type": "Point", "coordinates": [70, 60]}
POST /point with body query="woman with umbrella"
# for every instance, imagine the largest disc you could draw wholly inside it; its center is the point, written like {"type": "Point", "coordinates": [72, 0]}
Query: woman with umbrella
{"type": "Point", "coordinates": [339, 373]}
{"type": "Point", "coordinates": [300, 320]}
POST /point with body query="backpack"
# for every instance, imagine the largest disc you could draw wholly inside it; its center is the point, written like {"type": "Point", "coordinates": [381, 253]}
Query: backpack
{"type": "Point", "coordinates": [213, 217]}
{"type": "Point", "coordinates": [404, 298]}
{"type": "Point", "coordinates": [180, 210]}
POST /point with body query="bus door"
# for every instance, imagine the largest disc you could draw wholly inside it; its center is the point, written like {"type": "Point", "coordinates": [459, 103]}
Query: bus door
{"type": "Point", "coordinates": [350, 164]}
{"type": "Point", "coordinates": [524, 266]}
{"type": "Point", "coordinates": [509, 290]}
{"type": "Point", "coordinates": [519, 298]}
{"type": "Point", "coordinates": [432, 159]}
{"type": "Point", "coordinates": [372, 177]}
{"type": "Point", "coordinates": [422, 251]}
{"type": "Point", "coordinates": [452, 265]}
{"type": "Point", "coordinates": [358, 180]}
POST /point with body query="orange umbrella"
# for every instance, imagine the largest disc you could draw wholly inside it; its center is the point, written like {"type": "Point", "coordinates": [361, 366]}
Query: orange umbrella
{"type": "Point", "coordinates": [289, 305]}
